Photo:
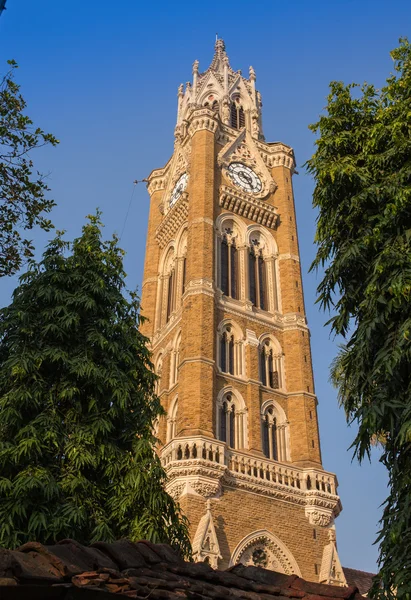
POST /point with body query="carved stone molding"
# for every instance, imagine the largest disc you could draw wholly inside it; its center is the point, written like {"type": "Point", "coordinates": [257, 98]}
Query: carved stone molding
{"type": "Point", "coordinates": [277, 155]}
{"type": "Point", "coordinates": [245, 205]}
{"type": "Point", "coordinates": [263, 549]}
{"type": "Point", "coordinates": [244, 150]}
{"type": "Point", "coordinates": [319, 517]}
{"type": "Point", "coordinates": [175, 490]}
{"type": "Point", "coordinates": [289, 257]}
{"type": "Point", "coordinates": [200, 119]}
{"type": "Point", "coordinates": [157, 181]}
{"type": "Point", "coordinates": [172, 222]}
{"type": "Point", "coordinates": [199, 286]}
{"type": "Point", "coordinates": [203, 460]}
{"type": "Point", "coordinates": [207, 489]}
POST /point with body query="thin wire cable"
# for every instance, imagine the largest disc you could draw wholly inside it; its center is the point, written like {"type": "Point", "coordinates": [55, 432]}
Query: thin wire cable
{"type": "Point", "coordinates": [135, 182]}
{"type": "Point", "coordinates": [128, 209]}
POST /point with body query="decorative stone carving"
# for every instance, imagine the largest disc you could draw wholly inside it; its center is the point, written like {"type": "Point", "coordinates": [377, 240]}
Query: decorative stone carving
{"type": "Point", "coordinates": [263, 549]}
{"type": "Point", "coordinates": [205, 543]}
{"type": "Point", "coordinates": [176, 489]}
{"type": "Point", "coordinates": [331, 570]}
{"type": "Point", "coordinates": [206, 488]}
{"type": "Point", "coordinates": [243, 149]}
{"type": "Point", "coordinates": [172, 221]}
{"type": "Point", "coordinates": [320, 518]}
{"type": "Point", "coordinates": [249, 207]}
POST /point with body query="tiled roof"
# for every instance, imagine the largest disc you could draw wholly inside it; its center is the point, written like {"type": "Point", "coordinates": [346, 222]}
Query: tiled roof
{"type": "Point", "coordinates": [361, 579]}
{"type": "Point", "coordinates": [69, 570]}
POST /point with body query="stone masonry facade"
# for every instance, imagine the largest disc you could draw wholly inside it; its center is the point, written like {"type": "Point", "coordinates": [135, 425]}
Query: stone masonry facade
{"type": "Point", "coordinates": [230, 341]}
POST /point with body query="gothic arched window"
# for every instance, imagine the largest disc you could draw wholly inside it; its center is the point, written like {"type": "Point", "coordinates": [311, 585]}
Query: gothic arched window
{"type": "Point", "coordinates": [175, 360]}
{"type": "Point", "coordinates": [237, 117]}
{"type": "Point", "coordinates": [274, 427]}
{"type": "Point", "coordinates": [167, 288]}
{"type": "Point", "coordinates": [158, 371]}
{"type": "Point", "coordinates": [171, 282]}
{"type": "Point", "coordinates": [230, 349]}
{"type": "Point", "coordinates": [172, 420]}
{"type": "Point", "coordinates": [270, 363]}
{"type": "Point", "coordinates": [270, 434]}
{"type": "Point", "coordinates": [257, 277]}
{"type": "Point", "coordinates": [229, 266]}
{"type": "Point", "coordinates": [231, 426]}
{"type": "Point", "coordinates": [183, 278]}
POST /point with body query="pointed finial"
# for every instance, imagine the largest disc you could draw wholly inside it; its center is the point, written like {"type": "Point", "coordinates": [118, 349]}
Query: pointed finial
{"type": "Point", "coordinates": [208, 504]}
{"type": "Point", "coordinates": [195, 66]}
{"type": "Point", "coordinates": [181, 89]}
{"type": "Point", "coordinates": [252, 74]}
{"type": "Point", "coordinates": [219, 45]}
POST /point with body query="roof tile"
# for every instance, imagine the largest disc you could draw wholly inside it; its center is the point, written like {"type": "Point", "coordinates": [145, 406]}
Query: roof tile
{"type": "Point", "coordinates": [142, 570]}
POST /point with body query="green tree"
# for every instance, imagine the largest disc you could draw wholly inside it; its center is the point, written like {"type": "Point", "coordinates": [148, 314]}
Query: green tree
{"type": "Point", "coordinates": [22, 193]}
{"type": "Point", "coordinates": [362, 171]}
{"type": "Point", "coordinates": [77, 405]}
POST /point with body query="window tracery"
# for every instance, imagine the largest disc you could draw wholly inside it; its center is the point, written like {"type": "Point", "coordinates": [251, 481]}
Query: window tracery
{"type": "Point", "coordinates": [237, 116]}
{"type": "Point", "coordinates": [230, 349]}
{"type": "Point", "coordinates": [158, 371]}
{"type": "Point", "coordinates": [275, 435]}
{"type": "Point", "coordinates": [262, 270]}
{"type": "Point", "coordinates": [231, 419]}
{"type": "Point", "coordinates": [172, 420]}
{"type": "Point", "coordinates": [230, 242]}
{"type": "Point", "coordinates": [172, 278]}
{"type": "Point", "coordinates": [257, 276]}
{"type": "Point", "coordinates": [175, 360]}
{"type": "Point", "coordinates": [270, 364]}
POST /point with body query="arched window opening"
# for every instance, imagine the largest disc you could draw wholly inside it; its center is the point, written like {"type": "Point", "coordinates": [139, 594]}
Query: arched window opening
{"type": "Point", "coordinates": [158, 371]}
{"type": "Point", "coordinates": [172, 421]}
{"type": "Point", "coordinates": [175, 361]}
{"type": "Point", "coordinates": [214, 106]}
{"type": "Point", "coordinates": [270, 365]}
{"type": "Point", "coordinates": [229, 267]}
{"type": "Point", "coordinates": [237, 119]}
{"type": "Point", "coordinates": [227, 352]}
{"type": "Point", "coordinates": [274, 433]}
{"type": "Point", "coordinates": [223, 422]}
{"type": "Point", "coordinates": [171, 294]}
{"type": "Point", "coordinates": [183, 278]}
{"type": "Point", "coordinates": [230, 350]}
{"type": "Point", "coordinates": [257, 277]}
{"type": "Point", "coordinates": [231, 424]}
{"type": "Point", "coordinates": [270, 435]}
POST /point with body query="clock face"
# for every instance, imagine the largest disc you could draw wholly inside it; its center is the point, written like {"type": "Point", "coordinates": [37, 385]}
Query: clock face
{"type": "Point", "coordinates": [245, 177]}
{"type": "Point", "coordinates": [179, 188]}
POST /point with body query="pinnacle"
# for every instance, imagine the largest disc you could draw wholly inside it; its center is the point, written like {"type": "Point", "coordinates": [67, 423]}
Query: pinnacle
{"type": "Point", "coordinates": [219, 45]}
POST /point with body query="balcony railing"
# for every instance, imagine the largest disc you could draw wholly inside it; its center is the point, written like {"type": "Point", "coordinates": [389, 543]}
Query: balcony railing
{"type": "Point", "coordinates": [237, 462]}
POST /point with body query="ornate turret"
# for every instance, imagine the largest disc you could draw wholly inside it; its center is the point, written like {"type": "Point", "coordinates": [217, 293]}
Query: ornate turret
{"type": "Point", "coordinates": [229, 94]}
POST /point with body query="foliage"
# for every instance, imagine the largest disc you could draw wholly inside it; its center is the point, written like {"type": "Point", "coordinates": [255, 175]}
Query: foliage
{"type": "Point", "coordinates": [22, 196]}
{"type": "Point", "coordinates": [77, 405]}
{"type": "Point", "coordinates": [362, 170]}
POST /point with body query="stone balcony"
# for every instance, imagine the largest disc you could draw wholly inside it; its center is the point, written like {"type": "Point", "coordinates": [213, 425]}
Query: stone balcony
{"type": "Point", "coordinates": [206, 466]}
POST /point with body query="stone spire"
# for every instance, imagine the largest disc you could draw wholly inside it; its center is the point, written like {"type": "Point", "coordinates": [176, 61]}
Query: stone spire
{"type": "Point", "coordinates": [331, 570]}
{"type": "Point", "coordinates": [220, 57]}
{"type": "Point", "coordinates": [205, 544]}
{"type": "Point", "coordinates": [219, 86]}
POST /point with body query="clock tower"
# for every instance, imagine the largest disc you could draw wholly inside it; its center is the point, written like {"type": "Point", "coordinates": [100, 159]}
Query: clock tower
{"type": "Point", "coordinates": [223, 294]}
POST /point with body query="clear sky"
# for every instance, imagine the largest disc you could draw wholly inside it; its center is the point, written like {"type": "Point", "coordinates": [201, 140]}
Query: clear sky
{"type": "Point", "coordinates": [103, 76]}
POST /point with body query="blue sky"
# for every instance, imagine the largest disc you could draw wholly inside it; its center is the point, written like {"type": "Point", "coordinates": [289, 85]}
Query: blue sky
{"type": "Point", "coordinates": [103, 77]}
